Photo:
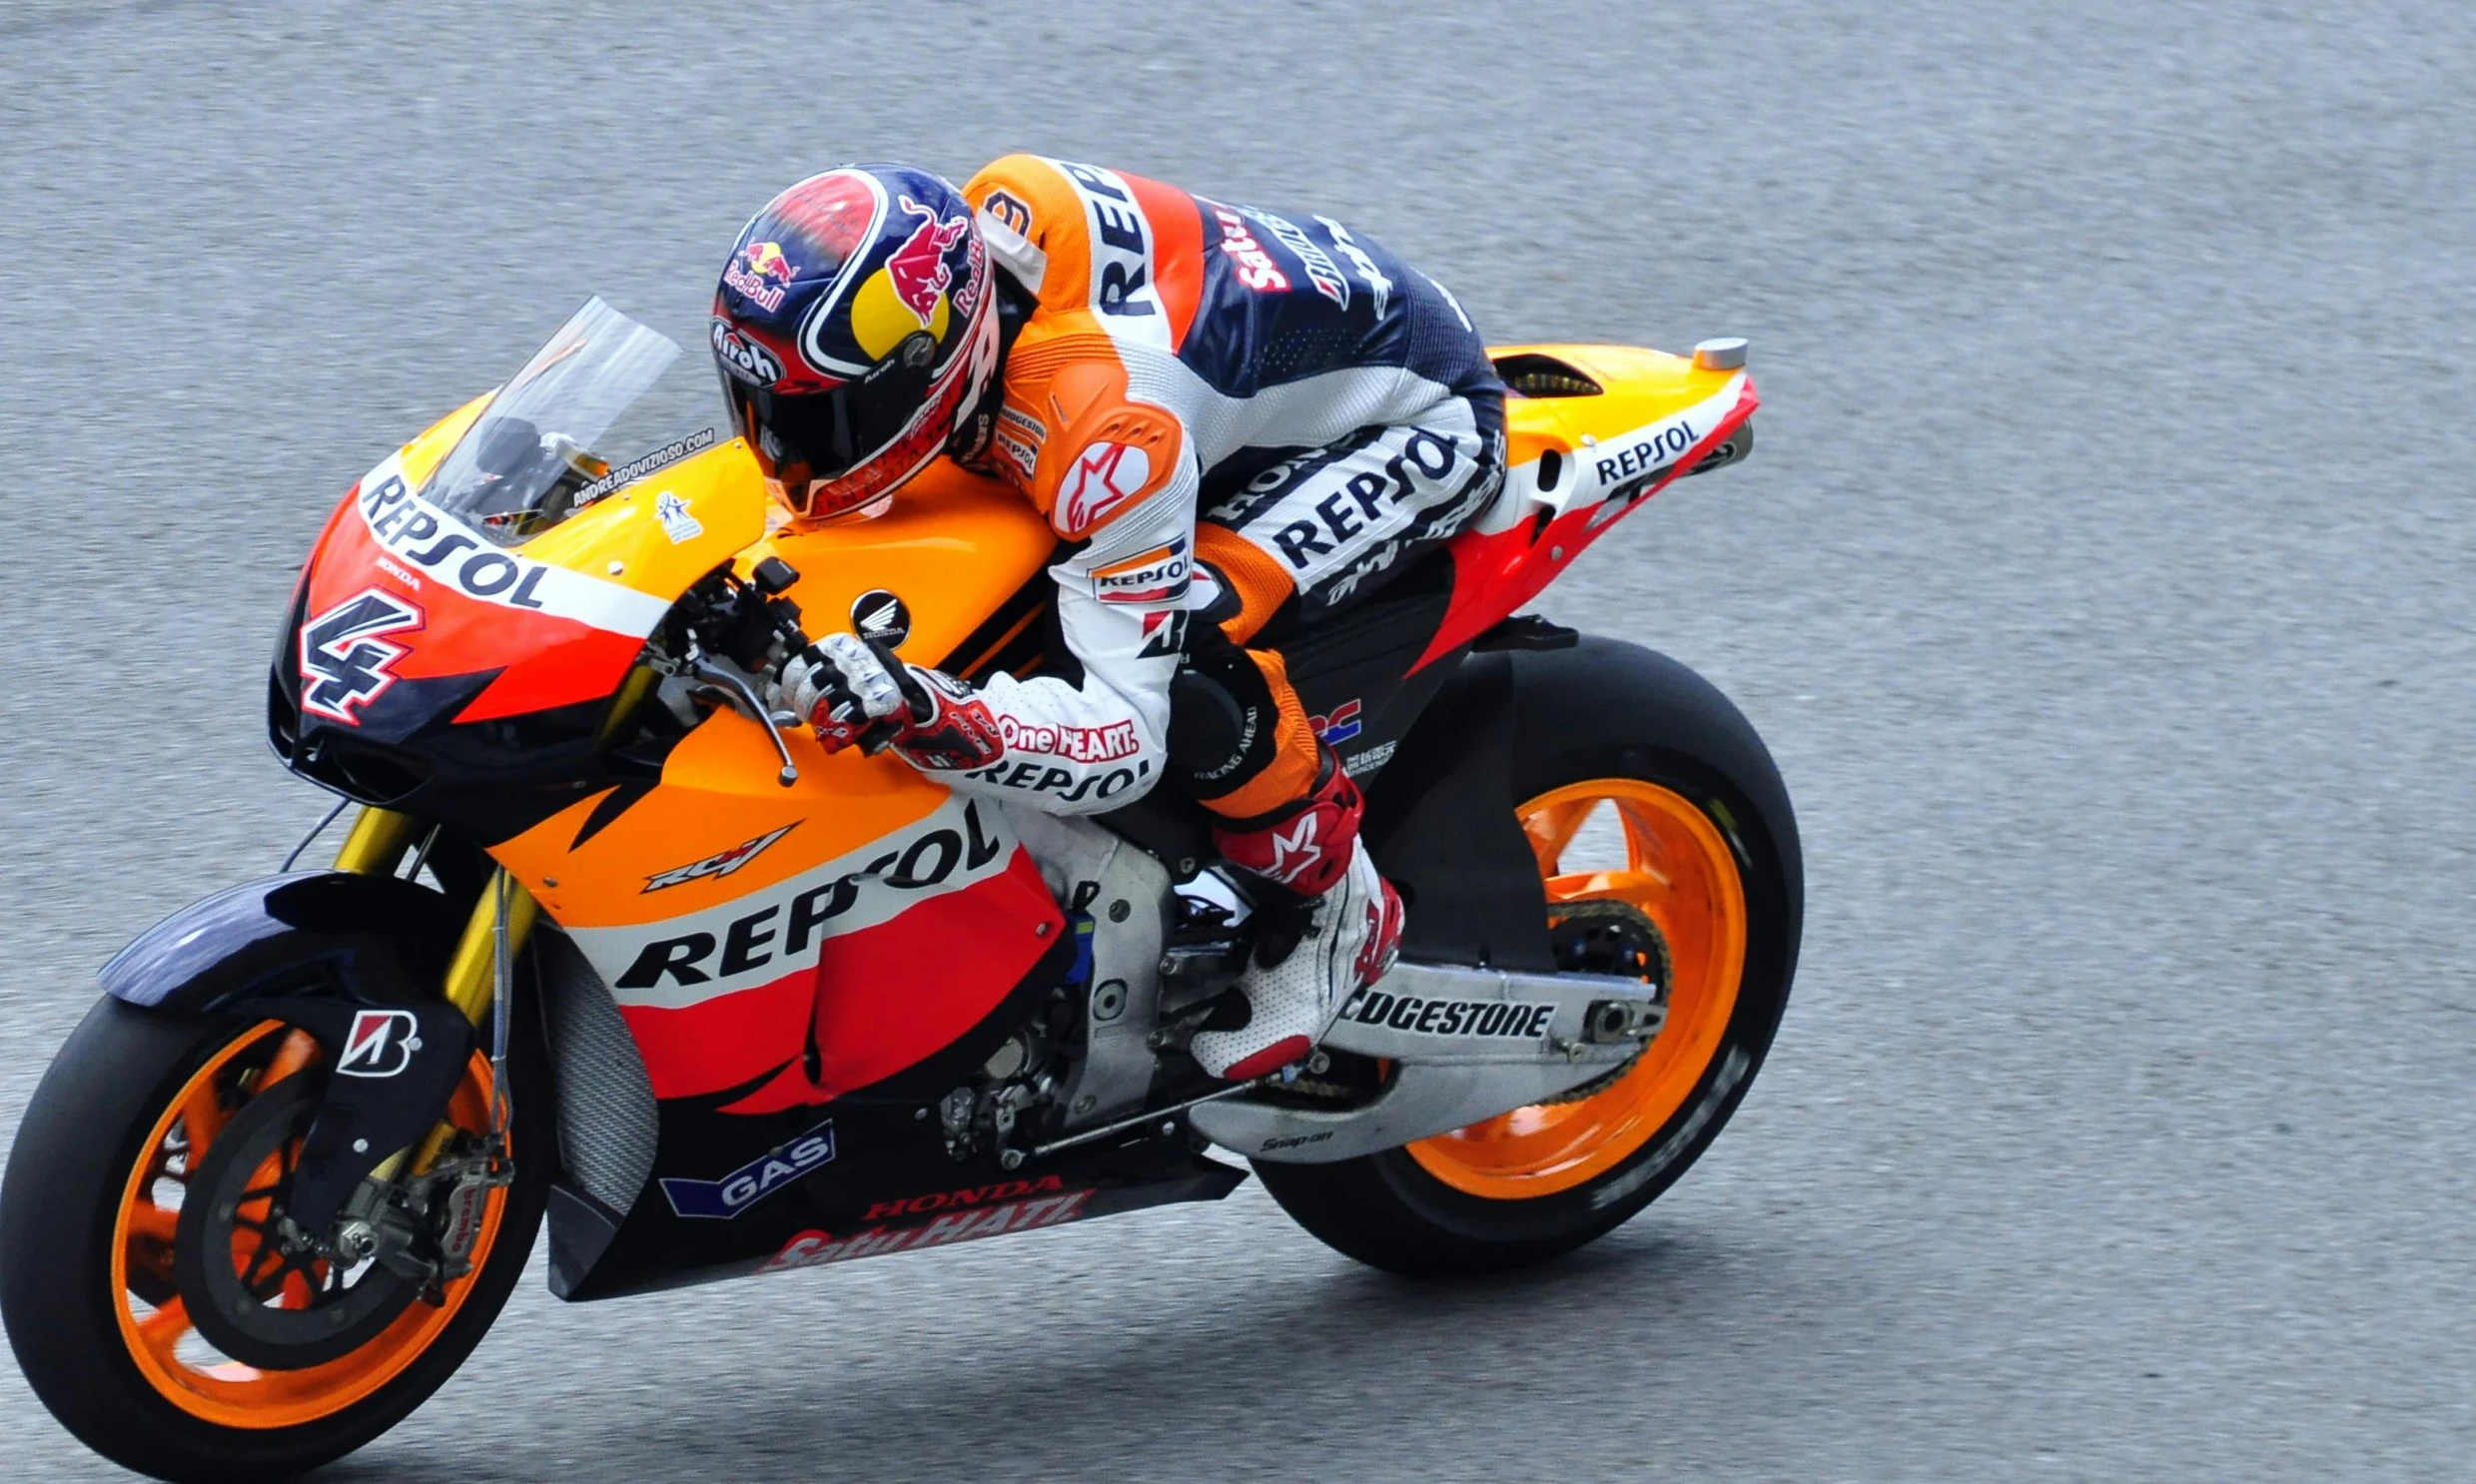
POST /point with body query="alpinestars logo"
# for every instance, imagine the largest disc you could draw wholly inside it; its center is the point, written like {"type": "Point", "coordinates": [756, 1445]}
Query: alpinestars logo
{"type": "Point", "coordinates": [1294, 852]}
{"type": "Point", "coordinates": [718, 865]}
{"type": "Point", "coordinates": [1105, 476]}
{"type": "Point", "coordinates": [380, 1044]}
{"type": "Point", "coordinates": [345, 665]}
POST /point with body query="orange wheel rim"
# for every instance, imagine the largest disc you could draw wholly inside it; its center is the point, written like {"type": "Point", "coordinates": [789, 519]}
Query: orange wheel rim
{"type": "Point", "coordinates": [1671, 862]}
{"type": "Point", "coordinates": [178, 1362]}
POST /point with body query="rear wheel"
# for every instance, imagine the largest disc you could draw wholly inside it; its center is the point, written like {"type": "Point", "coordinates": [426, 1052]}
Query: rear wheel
{"type": "Point", "coordinates": [150, 1289]}
{"type": "Point", "coordinates": [1678, 867]}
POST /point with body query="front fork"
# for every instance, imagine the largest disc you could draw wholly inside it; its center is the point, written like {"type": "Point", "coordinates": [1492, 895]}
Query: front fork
{"type": "Point", "coordinates": [375, 846]}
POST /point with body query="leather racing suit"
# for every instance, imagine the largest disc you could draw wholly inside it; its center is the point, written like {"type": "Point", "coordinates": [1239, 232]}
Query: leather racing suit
{"type": "Point", "coordinates": [1238, 422]}
{"type": "Point", "coordinates": [1230, 414]}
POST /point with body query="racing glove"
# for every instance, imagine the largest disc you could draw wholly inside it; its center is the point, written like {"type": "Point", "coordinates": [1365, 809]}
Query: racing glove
{"type": "Point", "coordinates": [859, 694]}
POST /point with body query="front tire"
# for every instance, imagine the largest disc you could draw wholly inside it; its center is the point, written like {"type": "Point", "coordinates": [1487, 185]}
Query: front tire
{"type": "Point", "coordinates": [99, 1258]}
{"type": "Point", "coordinates": [1631, 757]}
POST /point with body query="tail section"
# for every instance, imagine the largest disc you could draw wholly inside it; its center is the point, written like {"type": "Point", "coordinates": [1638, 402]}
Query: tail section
{"type": "Point", "coordinates": [1591, 432]}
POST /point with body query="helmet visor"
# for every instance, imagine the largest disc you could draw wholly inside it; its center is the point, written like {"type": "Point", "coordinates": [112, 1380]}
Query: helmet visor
{"type": "Point", "coordinates": [830, 432]}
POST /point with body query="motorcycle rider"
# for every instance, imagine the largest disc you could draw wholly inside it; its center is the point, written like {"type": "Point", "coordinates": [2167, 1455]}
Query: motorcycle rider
{"type": "Point", "coordinates": [1237, 422]}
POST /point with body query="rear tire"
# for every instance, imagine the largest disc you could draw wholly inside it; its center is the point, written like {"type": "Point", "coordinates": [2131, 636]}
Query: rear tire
{"type": "Point", "coordinates": [92, 1151]}
{"type": "Point", "coordinates": [1697, 797]}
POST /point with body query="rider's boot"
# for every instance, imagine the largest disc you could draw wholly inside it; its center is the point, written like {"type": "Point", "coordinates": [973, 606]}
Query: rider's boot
{"type": "Point", "coordinates": [1327, 925]}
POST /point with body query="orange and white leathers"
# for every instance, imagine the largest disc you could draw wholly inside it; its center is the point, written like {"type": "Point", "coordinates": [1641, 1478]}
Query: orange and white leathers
{"type": "Point", "coordinates": [1353, 419]}
{"type": "Point", "coordinates": [1170, 353]}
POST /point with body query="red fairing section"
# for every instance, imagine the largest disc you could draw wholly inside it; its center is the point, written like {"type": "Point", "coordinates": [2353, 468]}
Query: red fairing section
{"type": "Point", "coordinates": [585, 668]}
{"type": "Point", "coordinates": [727, 1041]}
{"type": "Point", "coordinates": [1495, 572]}
{"type": "Point", "coordinates": [555, 638]}
{"type": "Point", "coordinates": [879, 999]}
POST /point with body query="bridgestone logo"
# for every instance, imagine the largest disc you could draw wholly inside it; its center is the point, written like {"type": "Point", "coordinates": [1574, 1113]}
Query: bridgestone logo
{"type": "Point", "coordinates": [1510, 1021]}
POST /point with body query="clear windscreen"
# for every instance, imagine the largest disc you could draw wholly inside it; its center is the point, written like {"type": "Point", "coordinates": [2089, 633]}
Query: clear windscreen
{"type": "Point", "coordinates": [541, 449]}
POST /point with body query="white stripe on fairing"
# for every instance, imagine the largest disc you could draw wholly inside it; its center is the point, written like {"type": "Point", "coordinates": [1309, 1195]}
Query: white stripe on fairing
{"type": "Point", "coordinates": [1580, 487]}
{"type": "Point", "coordinates": [557, 591]}
{"type": "Point", "coordinates": [875, 901]}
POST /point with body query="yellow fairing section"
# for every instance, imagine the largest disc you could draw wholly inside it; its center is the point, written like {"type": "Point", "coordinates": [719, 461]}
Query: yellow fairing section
{"type": "Point", "coordinates": [623, 539]}
{"type": "Point", "coordinates": [1641, 388]}
{"type": "Point", "coordinates": [422, 455]}
{"type": "Point", "coordinates": [952, 548]}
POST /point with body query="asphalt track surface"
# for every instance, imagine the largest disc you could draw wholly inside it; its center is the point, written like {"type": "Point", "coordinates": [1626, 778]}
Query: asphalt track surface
{"type": "Point", "coordinates": [2101, 582]}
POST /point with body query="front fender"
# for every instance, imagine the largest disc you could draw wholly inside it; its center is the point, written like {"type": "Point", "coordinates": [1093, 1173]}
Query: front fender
{"type": "Point", "coordinates": [379, 931]}
{"type": "Point", "coordinates": [348, 959]}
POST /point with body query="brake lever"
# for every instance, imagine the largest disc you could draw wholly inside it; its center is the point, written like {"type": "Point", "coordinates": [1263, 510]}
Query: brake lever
{"type": "Point", "coordinates": [708, 671]}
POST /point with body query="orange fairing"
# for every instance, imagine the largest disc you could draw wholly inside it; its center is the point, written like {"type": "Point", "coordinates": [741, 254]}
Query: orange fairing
{"type": "Point", "coordinates": [953, 547]}
{"type": "Point", "coordinates": [1577, 462]}
{"type": "Point", "coordinates": [661, 534]}
{"type": "Point", "coordinates": [739, 922]}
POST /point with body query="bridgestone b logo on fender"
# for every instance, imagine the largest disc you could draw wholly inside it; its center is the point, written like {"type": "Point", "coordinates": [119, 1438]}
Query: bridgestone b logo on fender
{"type": "Point", "coordinates": [1515, 1021]}
{"type": "Point", "coordinates": [380, 1044]}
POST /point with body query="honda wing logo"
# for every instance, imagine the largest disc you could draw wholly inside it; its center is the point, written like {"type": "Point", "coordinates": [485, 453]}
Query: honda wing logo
{"type": "Point", "coordinates": [345, 665]}
{"type": "Point", "coordinates": [380, 1044]}
{"type": "Point", "coordinates": [718, 865]}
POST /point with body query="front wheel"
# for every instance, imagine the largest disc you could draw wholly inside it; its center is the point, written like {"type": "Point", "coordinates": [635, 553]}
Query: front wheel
{"type": "Point", "coordinates": [148, 1289]}
{"type": "Point", "coordinates": [1668, 852]}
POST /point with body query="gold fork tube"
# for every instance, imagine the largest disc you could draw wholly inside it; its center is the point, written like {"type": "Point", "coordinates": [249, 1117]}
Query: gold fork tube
{"type": "Point", "coordinates": [472, 983]}
{"type": "Point", "coordinates": [472, 975]}
{"type": "Point", "coordinates": [377, 845]}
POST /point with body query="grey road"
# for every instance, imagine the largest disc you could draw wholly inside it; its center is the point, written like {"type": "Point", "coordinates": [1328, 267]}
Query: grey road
{"type": "Point", "coordinates": [2103, 583]}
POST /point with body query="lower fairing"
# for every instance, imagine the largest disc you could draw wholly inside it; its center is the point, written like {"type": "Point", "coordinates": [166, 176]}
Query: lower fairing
{"type": "Point", "coordinates": [661, 1194]}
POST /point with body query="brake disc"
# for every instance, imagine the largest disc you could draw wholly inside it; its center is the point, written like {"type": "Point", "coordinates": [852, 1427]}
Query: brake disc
{"type": "Point", "coordinates": [259, 1301]}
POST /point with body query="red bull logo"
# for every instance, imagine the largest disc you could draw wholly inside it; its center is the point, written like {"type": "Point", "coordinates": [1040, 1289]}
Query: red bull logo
{"type": "Point", "coordinates": [917, 270]}
{"type": "Point", "coordinates": [760, 273]}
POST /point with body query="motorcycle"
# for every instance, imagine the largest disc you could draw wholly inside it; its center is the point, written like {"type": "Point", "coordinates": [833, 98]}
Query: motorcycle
{"type": "Point", "coordinates": [609, 942]}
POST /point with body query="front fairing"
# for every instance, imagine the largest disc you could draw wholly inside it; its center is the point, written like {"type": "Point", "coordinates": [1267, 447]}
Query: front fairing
{"type": "Point", "coordinates": [437, 655]}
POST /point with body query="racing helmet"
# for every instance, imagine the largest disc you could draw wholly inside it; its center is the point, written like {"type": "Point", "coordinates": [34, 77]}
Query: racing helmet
{"type": "Point", "coordinates": [854, 333]}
